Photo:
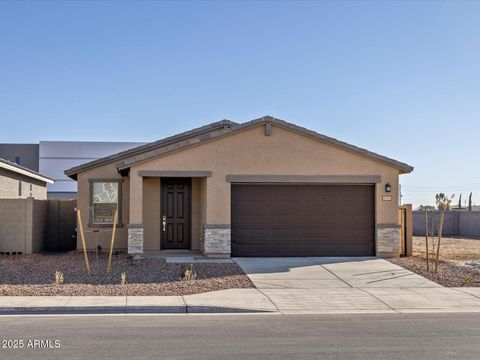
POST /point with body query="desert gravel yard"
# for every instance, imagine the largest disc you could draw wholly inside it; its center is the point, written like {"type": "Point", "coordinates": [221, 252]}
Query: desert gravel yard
{"type": "Point", "coordinates": [459, 261]}
{"type": "Point", "coordinates": [34, 275]}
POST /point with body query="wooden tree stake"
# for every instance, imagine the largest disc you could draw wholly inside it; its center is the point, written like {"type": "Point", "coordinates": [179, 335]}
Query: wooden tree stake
{"type": "Point", "coordinates": [112, 242]}
{"type": "Point", "coordinates": [82, 237]}
{"type": "Point", "coordinates": [426, 238]}
{"type": "Point", "coordinates": [440, 229]}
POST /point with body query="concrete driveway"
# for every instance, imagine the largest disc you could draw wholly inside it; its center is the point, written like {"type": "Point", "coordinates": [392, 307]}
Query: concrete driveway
{"type": "Point", "coordinates": [351, 285]}
{"type": "Point", "coordinates": [322, 273]}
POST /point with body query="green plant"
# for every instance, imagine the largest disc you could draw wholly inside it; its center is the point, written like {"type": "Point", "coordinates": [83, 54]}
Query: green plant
{"type": "Point", "coordinates": [59, 278]}
{"type": "Point", "coordinates": [460, 201]}
{"type": "Point", "coordinates": [426, 207]}
{"type": "Point", "coordinates": [470, 202]}
{"type": "Point", "coordinates": [187, 273]}
{"type": "Point", "coordinates": [99, 247]}
{"type": "Point", "coordinates": [123, 279]}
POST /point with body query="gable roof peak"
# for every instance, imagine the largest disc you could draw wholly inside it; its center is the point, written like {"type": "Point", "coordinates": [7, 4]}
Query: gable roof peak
{"type": "Point", "coordinates": [213, 131]}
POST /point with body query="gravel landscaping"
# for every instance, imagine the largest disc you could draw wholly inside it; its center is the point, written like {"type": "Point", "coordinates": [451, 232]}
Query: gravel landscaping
{"type": "Point", "coordinates": [459, 264]}
{"type": "Point", "coordinates": [449, 274]}
{"type": "Point", "coordinates": [35, 275]}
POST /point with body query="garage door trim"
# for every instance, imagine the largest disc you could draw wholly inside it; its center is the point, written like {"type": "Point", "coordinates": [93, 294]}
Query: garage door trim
{"type": "Point", "coordinates": [300, 179]}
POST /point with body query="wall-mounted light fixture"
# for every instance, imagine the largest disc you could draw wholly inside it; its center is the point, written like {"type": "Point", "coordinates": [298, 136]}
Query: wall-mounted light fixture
{"type": "Point", "coordinates": [388, 188]}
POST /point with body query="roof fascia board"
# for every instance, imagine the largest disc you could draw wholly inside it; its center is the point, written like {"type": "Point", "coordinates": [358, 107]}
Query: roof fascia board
{"type": "Point", "coordinates": [147, 147]}
{"type": "Point", "coordinates": [26, 173]}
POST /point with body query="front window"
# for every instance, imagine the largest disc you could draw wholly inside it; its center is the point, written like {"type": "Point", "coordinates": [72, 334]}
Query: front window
{"type": "Point", "coordinates": [105, 199]}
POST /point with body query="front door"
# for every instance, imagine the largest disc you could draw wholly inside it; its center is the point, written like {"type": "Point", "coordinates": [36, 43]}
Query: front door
{"type": "Point", "coordinates": [175, 213]}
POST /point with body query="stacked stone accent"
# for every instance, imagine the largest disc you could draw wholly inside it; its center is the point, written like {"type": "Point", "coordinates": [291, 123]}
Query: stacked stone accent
{"type": "Point", "coordinates": [388, 240]}
{"type": "Point", "coordinates": [216, 240]}
{"type": "Point", "coordinates": [135, 239]}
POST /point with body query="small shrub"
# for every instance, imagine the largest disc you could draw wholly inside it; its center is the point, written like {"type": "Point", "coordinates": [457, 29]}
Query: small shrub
{"type": "Point", "coordinates": [467, 280]}
{"type": "Point", "coordinates": [123, 279]}
{"type": "Point", "coordinates": [187, 273]}
{"type": "Point", "coordinates": [59, 278]}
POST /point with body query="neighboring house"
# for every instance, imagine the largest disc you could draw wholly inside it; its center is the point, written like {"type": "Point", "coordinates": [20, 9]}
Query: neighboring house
{"type": "Point", "coordinates": [53, 157]}
{"type": "Point", "coordinates": [18, 182]}
{"type": "Point", "coordinates": [261, 188]}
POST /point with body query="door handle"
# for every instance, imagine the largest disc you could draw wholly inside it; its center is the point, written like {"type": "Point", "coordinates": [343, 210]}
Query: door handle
{"type": "Point", "coordinates": [164, 222]}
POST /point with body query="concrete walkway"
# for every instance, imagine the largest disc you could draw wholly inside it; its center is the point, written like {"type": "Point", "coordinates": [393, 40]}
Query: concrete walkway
{"type": "Point", "coordinates": [332, 300]}
{"type": "Point", "coordinates": [224, 301]}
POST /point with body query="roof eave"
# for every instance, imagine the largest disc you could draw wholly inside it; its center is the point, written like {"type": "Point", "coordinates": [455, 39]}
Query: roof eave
{"type": "Point", "coordinates": [72, 172]}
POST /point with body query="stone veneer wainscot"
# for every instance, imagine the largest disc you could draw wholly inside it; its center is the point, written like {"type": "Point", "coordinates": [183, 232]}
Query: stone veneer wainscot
{"type": "Point", "coordinates": [217, 240]}
{"type": "Point", "coordinates": [388, 239]}
{"type": "Point", "coordinates": [135, 239]}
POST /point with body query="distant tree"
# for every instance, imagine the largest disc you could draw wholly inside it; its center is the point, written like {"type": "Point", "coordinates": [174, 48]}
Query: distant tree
{"type": "Point", "coordinates": [443, 201]}
{"type": "Point", "coordinates": [426, 207]}
{"type": "Point", "coordinates": [460, 201]}
{"type": "Point", "coordinates": [470, 202]}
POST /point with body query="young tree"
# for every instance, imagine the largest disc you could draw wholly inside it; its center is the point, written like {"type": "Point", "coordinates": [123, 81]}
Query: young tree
{"type": "Point", "coordinates": [470, 202]}
{"type": "Point", "coordinates": [443, 201]}
{"type": "Point", "coordinates": [460, 201]}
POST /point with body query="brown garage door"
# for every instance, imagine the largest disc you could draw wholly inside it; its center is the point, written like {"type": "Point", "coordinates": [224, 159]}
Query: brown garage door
{"type": "Point", "coordinates": [303, 220]}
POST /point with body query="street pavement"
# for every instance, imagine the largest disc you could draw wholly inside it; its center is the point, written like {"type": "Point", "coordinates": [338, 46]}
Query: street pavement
{"type": "Point", "coordinates": [258, 337]}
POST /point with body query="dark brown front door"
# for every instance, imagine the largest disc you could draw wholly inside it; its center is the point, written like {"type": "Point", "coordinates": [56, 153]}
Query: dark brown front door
{"type": "Point", "coordinates": [175, 213]}
{"type": "Point", "coordinates": [303, 220]}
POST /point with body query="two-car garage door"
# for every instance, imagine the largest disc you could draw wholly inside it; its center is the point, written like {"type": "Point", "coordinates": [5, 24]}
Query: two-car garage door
{"type": "Point", "coordinates": [303, 220]}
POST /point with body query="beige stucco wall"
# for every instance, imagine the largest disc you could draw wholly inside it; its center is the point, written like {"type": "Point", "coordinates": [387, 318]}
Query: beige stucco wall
{"type": "Point", "coordinates": [245, 153]}
{"type": "Point", "coordinates": [83, 204]}
{"type": "Point", "coordinates": [196, 213]}
{"type": "Point", "coordinates": [151, 214]}
{"type": "Point", "coordinates": [283, 153]}
{"type": "Point", "coordinates": [30, 187]}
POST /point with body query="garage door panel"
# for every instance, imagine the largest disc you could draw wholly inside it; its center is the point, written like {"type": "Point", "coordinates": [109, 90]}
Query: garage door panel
{"type": "Point", "coordinates": [302, 220]}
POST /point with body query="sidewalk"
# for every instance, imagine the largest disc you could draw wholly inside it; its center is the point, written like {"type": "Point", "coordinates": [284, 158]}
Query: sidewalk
{"type": "Point", "coordinates": [265, 301]}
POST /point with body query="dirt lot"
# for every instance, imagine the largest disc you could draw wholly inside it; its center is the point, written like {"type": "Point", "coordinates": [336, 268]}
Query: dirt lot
{"type": "Point", "coordinates": [450, 248]}
{"type": "Point", "coordinates": [459, 265]}
{"type": "Point", "coordinates": [35, 275]}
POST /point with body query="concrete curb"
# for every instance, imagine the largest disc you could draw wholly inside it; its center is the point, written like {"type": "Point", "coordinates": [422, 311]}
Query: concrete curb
{"type": "Point", "coordinates": [127, 310]}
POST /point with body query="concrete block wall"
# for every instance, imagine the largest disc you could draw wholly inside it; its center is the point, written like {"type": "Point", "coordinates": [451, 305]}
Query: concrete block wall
{"type": "Point", "coordinates": [457, 223]}
{"type": "Point", "coordinates": [13, 227]}
{"type": "Point", "coordinates": [22, 225]}
{"type": "Point", "coordinates": [39, 226]}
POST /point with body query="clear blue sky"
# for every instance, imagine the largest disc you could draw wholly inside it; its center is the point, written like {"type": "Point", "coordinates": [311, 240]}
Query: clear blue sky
{"type": "Point", "coordinates": [357, 71]}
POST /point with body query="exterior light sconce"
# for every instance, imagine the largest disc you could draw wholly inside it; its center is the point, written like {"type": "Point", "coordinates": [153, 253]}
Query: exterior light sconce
{"type": "Point", "coordinates": [388, 188]}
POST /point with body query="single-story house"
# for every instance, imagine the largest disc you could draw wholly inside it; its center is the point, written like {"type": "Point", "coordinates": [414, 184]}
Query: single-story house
{"type": "Point", "coordinates": [19, 182]}
{"type": "Point", "coordinates": [262, 188]}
